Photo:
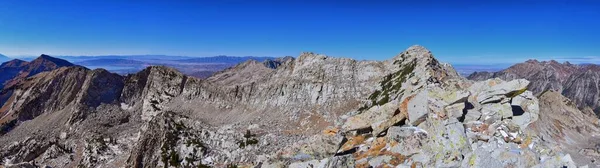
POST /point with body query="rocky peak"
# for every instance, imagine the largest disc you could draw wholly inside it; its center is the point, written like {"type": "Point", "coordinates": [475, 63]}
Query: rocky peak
{"type": "Point", "coordinates": [49, 60]}
{"type": "Point", "coordinates": [15, 63]}
{"type": "Point", "coordinates": [532, 61]}
{"type": "Point", "coordinates": [274, 64]}
{"type": "Point", "coordinates": [45, 63]}
{"type": "Point", "coordinates": [415, 51]}
{"type": "Point", "coordinates": [310, 55]}
{"type": "Point", "coordinates": [554, 62]}
{"type": "Point", "coordinates": [151, 88]}
{"type": "Point", "coordinates": [568, 63]}
{"type": "Point", "coordinates": [418, 50]}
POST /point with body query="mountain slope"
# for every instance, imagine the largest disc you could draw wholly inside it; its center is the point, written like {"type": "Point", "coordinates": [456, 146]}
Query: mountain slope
{"type": "Point", "coordinates": [565, 126]}
{"type": "Point", "coordinates": [577, 82]}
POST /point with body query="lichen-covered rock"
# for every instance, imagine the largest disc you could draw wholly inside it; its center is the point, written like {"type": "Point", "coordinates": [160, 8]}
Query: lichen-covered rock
{"type": "Point", "coordinates": [502, 90]}
{"type": "Point", "coordinates": [372, 118]}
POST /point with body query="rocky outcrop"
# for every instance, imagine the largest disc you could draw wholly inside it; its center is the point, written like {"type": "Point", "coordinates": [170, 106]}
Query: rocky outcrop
{"type": "Point", "coordinates": [576, 82]}
{"type": "Point", "coordinates": [445, 122]}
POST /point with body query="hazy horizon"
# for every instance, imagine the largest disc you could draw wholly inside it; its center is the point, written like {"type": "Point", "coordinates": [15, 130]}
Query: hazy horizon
{"type": "Point", "coordinates": [458, 32]}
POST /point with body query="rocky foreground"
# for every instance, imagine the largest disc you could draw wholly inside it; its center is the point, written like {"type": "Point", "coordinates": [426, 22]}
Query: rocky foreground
{"type": "Point", "coordinates": [313, 111]}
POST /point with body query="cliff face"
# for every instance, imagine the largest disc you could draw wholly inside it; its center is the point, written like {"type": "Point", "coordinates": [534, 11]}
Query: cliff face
{"type": "Point", "coordinates": [577, 82]}
{"type": "Point", "coordinates": [74, 89]}
{"type": "Point", "coordinates": [564, 125]}
{"type": "Point", "coordinates": [314, 110]}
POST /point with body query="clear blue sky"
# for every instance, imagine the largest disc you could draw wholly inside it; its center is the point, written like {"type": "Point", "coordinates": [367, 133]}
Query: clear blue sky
{"type": "Point", "coordinates": [456, 31]}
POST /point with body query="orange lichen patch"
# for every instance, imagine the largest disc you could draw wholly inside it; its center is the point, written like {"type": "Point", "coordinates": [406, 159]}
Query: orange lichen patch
{"type": "Point", "coordinates": [413, 165]}
{"type": "Point", "coordinates": [352, 142]}
{"type": "Point", "coordinates": [517, 140]}
{"type": "Point", "coordinates": [397, 159]}
{"type": "Point", "coordinates": [492, 83]}
{"type": "Point", "coordinates": [526, 142]}
{"type": "Point", "coordinates": [480, 128]}
{"type": "Point", "coordinates": [404, 104]}
{"type": "Point", "coordinates": [331, 131]}
{"type": "Point", "coordinates": [441, 115]}
{"type": "Point", "coordinates": [393, 143]}
{"type": "Point", "coordinates": [362, 165]}
{"type": "Point", "coordinates": [374, 150]}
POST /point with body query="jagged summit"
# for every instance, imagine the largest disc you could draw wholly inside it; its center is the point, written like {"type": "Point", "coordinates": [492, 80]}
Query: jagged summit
{"type": "Point", "coordinates": [532, 61]}
{"type": "Point", "coordinates": [418, 48]}
{"type": "Point", "coordinates": [275, 63]}
{"type": "Point", "coordinates": [47, 60]}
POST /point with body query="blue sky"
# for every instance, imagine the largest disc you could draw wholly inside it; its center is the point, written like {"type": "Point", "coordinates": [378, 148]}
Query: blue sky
{"type": "Point", "coordinates": [460, 32]}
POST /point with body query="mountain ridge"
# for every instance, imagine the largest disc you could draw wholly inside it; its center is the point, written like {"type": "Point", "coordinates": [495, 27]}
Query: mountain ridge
{"type": "Point", "coordinates": [410, 110]}
{"type": "Point", "coordinates": [577, 82]}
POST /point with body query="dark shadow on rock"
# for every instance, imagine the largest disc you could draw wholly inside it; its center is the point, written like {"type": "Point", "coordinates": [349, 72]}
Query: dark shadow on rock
{"type": "Point", "coordinates": [517, 110]}
{"type": "Point", "coordinates": [468, 106]}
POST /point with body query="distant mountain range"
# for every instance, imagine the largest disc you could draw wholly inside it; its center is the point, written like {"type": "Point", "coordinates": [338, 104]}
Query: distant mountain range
{"type": "Point", "coordinates": [195, 66]}
{"type": "Point", "coordinates": [579, 83]}
{"type": "Point", "coordinates": [201, 67]}
{"type": "Point", "coordinates": [4, 58]}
